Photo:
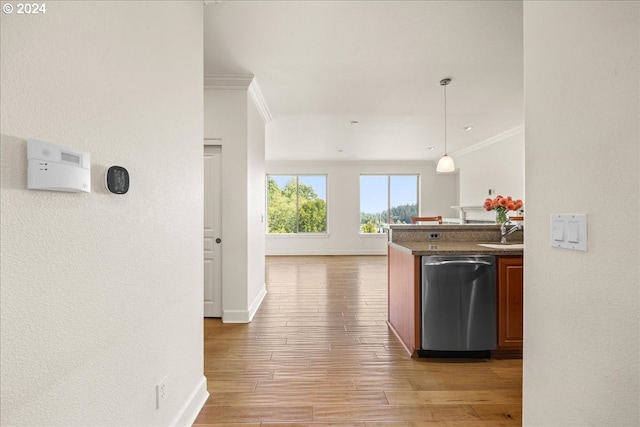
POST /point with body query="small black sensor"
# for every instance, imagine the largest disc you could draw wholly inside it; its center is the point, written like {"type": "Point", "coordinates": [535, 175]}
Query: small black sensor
{"type": "Point", "coordinates": [117, 180]}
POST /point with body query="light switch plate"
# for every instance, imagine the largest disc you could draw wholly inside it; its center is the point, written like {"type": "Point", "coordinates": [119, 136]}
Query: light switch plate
{"type": "Point", "coordinates": [569, 232]}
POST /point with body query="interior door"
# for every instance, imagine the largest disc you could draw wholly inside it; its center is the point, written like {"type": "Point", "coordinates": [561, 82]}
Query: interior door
{"type": "Point", "coordinates": [212, 231]}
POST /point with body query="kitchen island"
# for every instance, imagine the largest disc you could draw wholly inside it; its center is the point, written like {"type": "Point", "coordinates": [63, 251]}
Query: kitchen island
{"type": "Point", "coordinates": [408, 243]}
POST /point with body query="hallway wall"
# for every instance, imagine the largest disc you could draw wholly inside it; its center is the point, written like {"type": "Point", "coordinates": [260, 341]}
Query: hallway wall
{"type": "Point", "coordinates": [102, 293]}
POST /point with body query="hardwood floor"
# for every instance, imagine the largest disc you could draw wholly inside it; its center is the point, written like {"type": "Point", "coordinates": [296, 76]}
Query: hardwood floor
{"type": "Point", "coordinates": [319, 353]}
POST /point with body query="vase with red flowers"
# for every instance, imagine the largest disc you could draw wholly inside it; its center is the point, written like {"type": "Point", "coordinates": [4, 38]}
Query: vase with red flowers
{"type": "Point", "coordinates": [502, 205]}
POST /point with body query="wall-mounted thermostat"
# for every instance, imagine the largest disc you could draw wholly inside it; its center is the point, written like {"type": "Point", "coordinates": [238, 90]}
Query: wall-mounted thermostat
{"type": "Point", "coordinates": [117, 180]}
{"type": "Point", "coordinates": [56, 168]}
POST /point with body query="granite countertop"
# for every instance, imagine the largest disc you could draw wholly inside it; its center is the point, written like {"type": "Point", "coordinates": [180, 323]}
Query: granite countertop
{"type": "Point", "coordinates": [454, 248]}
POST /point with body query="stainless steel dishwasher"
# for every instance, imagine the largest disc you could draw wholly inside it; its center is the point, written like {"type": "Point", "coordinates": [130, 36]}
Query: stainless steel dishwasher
{"type": "Point", "coordinates": [458, 304]}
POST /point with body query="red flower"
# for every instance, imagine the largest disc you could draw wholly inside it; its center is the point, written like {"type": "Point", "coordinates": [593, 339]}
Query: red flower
{"type": "Point", "coordinates": [509, 203]}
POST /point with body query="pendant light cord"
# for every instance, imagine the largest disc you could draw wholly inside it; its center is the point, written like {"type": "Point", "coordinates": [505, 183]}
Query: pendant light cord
{"type": "Point", "coordinates": [445, 82]}
{"type": "Point", "coordinates": [445, 164]}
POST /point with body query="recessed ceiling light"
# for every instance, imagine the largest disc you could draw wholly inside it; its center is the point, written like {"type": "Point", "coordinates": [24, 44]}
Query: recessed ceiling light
{"type": "Point", "coordinates": [340, 151]}
{"type": "Point", "coordinates": [353, 122]}
{"type": "Point", "coordinates": [467, 127]}
{"type": "Point", "coordinates": [431, 148]}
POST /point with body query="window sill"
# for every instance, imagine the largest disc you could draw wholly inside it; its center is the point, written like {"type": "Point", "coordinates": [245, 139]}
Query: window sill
{"type": "Point", "coordinates": [298, 235]}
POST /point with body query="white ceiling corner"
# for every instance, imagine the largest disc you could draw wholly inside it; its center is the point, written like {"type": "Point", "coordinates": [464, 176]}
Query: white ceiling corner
{"type": "Point", "coordinates": [489, 141]}
{"type": "Point", "coordinates": [241, 82]}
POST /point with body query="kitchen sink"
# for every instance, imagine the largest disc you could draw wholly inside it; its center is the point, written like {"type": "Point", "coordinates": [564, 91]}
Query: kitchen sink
{"type": "Point", "coordinates": [502, 245]}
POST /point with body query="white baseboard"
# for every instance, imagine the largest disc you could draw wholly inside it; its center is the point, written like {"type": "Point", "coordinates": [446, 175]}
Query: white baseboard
{"type": "Point", "coordinates": [293, 252]}
{"type": "Point", "coordinates": [192, 407]}
{"type": "Point", "coordinates": [245, 316]}
{"type": "Point", "coordinates": [235, 316]}
{"type": "Point", "coordinates": [255, 305]}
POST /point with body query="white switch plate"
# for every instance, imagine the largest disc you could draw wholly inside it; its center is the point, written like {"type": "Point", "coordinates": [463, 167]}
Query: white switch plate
{"type": "Point", "coordinates": [569, 232]}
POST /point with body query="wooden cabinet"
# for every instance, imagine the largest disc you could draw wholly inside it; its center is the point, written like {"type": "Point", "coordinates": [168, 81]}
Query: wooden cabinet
{"type": "Point", "coordinates": [510, 306]}
{"type": "Point", "coordinates": [404, 298]}
{"type": "Point", "coordinates": [404, 312]}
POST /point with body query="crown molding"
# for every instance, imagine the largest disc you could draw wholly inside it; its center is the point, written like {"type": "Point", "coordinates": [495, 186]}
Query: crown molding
{"type": "Point", "coordinates": [228, 81]}
{"type": "Point", "coordinates": [258, 99]}
{"type": "Point", "coordinates": [246, 82]}
{"type": "Point", "coordinates": [490, 141]}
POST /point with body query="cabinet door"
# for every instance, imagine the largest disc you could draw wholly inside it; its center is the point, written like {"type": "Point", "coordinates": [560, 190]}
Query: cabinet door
{"type": "Point", "coordinates": [404, 298]}
{"type": "Point", "coordinates": [510, 298]}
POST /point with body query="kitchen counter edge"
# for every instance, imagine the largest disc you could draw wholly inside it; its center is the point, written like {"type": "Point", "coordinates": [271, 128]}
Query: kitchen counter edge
{"type": "Point", "coordinates": [452, 248]}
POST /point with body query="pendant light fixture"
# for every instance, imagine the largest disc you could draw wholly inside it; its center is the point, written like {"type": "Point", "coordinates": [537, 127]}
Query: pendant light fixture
{"type": "Point", "coordinates": [445, 164]}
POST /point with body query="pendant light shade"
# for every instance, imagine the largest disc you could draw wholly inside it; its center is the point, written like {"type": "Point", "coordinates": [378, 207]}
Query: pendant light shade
{"type": "Point", "coordinates": [445, 164]}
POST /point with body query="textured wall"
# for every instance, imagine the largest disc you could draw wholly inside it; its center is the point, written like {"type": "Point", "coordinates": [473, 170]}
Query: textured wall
{"type": "Point", "coordinates": [102, 294]}
{"type": "Point", "coordinates": [582, 156]}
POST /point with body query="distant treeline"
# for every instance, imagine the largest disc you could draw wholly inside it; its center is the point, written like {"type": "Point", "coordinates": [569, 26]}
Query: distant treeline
{"type": "Point", "coordinates": [370, 222]}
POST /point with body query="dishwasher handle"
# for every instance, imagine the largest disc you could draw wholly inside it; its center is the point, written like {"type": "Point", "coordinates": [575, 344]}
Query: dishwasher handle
{"type": "Point", "coordinates": [458, 262]}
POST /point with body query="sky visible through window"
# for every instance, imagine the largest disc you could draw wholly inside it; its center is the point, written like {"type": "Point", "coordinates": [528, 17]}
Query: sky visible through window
{"type": "Point", "coordinates": [373, 192]}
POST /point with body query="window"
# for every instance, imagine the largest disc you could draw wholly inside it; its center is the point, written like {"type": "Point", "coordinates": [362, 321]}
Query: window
{"type": "Point", "coordinates": [296, 204]}
{"type": "Point", "coordinates": [387, 199]}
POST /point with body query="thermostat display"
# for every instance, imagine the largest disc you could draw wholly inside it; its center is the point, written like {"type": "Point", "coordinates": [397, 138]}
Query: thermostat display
{"type": "Point", "coordinates": [117, 180]}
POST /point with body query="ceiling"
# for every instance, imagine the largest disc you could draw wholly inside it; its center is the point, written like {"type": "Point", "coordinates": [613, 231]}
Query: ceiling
{"type": "Point", "coordinates": [322, 64]}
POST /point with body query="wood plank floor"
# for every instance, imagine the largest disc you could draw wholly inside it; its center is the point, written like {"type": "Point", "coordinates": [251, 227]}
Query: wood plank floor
{"type": "Point", "coordinates": [319, 353]}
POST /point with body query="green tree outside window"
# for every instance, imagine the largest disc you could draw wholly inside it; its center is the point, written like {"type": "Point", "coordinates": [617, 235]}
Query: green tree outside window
{"type": "Point", "coordinates": [295, 206]}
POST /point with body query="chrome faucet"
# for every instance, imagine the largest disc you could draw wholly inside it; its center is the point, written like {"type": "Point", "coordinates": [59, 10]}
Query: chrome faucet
{"type": "Point", "coordinates": [504, 232]}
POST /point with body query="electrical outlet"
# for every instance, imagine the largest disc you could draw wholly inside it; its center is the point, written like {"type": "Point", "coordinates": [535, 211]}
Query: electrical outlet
{"type": "Point", "coordinates": [161, 392]}
{"type": "Point", "coordinates": [434, 236]}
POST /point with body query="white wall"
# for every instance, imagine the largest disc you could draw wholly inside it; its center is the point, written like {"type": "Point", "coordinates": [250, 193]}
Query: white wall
{"type": "Point", "coordinates": [438, 192]}
{"type": "Point", "coordinates": [582, 321]}
{"type": "Point", "coordinates": [225, 120]}
{"type": "Point", "coordinates": [102, 293]}
{"type": "Point", "coordinates": [498, 166]}
{"type": "Point", "coordinates": [256, 193]}
{"type": "Point", "coordinates": [231, 120]}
